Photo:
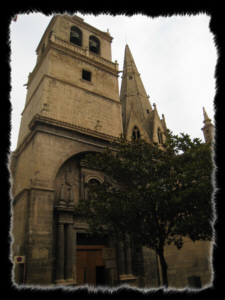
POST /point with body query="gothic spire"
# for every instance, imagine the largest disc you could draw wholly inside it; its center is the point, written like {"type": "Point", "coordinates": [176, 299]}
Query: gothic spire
{"type": "Point", "coordinates": [206, 118]}
{"type": "Point", "coordinates": [208, 127]}
{"type": "Point", "coordinates": [133, 97]}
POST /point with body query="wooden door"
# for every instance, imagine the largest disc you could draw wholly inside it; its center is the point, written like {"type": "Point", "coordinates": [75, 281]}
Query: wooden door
{"type": "Point", "coordinates": [81, 267]}
{"type": "Point", "coordinates": [88, 258]}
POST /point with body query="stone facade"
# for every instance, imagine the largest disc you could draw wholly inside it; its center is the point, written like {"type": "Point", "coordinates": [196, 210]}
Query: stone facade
{"type": "Point", "coordinates": [73, 108]}
{"type": "Point", "coordinates": [192, 259]}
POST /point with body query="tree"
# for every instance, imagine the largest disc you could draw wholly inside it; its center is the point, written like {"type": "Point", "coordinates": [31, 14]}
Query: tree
{"type": "Point", "coordinates": [157, 194]}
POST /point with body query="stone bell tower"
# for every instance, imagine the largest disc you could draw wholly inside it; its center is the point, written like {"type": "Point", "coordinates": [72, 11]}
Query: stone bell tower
{"type": "Point", "coordinates": [72, 108]}
{"type": "Point", "coordinates": [74, 80]}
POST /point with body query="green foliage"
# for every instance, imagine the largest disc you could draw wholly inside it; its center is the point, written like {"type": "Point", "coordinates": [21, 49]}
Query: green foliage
{"type": "Point", "coordinates": [157, 194]}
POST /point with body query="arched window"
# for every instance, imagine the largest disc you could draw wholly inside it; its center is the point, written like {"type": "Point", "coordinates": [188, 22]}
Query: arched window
{"type": "Point", "coordinates": [76, 36]}
{"type": "Point", "coordinates": [136, 133]}
{"type": "Point", "coordinates": [94, 181]}
{"type": "Point", "coordinates": [94, 44]}
{"type": "Point", "coordinates": [160, 138]}
{"type": "Point", "coordinates": [43, 49]}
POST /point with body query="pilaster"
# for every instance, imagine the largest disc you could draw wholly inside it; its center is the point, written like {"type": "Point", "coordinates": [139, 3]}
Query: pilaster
{"type": "Point", "coordinates": [124, 264]}
{"type": "Point", "coordinates": [65, 242]}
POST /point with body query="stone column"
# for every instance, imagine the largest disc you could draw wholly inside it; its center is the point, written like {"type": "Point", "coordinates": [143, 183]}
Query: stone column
{"type": "Point", "coordinates": [60, 254]}
{"type": "Point", "coordinates": [128, 260]}
{"type": "Point", "coordinates": [121, 261]}
{"type": "Point", "coordinates": [65, 244]}
{"type": "Point", "coordinates": [87, 52]}
{"type": "Point", "coordinates": [69, 253]}
{"type": "Point", "coordinates": [125, 270]}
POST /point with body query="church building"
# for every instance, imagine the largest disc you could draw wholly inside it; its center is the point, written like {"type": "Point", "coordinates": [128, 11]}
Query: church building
{"type": "Point", "coordinates": [73, 107]}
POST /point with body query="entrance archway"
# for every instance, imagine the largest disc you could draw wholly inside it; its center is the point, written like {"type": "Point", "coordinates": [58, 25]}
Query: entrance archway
{"type": "Point", "coordinates": [69, 188]}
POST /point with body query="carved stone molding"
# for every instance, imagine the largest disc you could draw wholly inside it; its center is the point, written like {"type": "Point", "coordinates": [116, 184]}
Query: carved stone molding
{"type": "Point", "coordinates": [65, 214]}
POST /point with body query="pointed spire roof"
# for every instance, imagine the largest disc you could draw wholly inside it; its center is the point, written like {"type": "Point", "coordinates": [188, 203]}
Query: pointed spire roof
{"type": "Point", "coordinates": [133, 95]}
{"type": "Point", "coordinates": [208, 127]}
{"type": "Point", "coordinates": [129, 64]}
{"type": "Point", "coordinates": [206, 118]}
{"type": "Point", "coordinates": [130, 71]}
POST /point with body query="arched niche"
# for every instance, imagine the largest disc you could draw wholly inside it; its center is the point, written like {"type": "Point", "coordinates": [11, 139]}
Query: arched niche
{"type": "Point", "coordinates": [71, 178]}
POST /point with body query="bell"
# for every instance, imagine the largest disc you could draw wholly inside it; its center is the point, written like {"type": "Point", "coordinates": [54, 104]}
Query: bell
{"type": "Point", "coordinates": [75, 34]}
{"type": "Point", "coordinates": [93, 44]}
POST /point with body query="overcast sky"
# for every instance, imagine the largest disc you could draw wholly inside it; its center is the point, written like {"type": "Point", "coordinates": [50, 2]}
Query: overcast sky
{"type": "Point", "coordinates": [175, 56]}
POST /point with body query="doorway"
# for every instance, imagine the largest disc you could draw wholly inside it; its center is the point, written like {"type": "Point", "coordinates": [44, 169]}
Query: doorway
{"type": "Point", "coordinates": [90, 265]}
{"type": "Point", "coordinates": [100, 275]}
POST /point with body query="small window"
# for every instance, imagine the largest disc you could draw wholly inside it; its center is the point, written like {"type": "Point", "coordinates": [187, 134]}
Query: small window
{"type": "Point", "coordinates": [160, 138]}
{"type": "Point", "coordinates": [94, 45]}
{"type": "Point", "coordinates": [43, 49]}
{"type": "Point", "coordinates": [130, 77]}
{"type": "Point", "coordinates": [86, 75]}
{"type": "Point", "coordinates": [136, 133]}
{"type": "Point", "coordinates": [147, 111]}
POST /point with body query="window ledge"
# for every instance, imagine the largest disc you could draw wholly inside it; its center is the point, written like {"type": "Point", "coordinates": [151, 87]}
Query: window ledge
{"type": "Point", "coordinates": [86, 81]}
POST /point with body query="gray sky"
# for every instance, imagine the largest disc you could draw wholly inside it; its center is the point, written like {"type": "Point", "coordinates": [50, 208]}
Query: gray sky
{"type": "Point", "coordinates": [175, 56]}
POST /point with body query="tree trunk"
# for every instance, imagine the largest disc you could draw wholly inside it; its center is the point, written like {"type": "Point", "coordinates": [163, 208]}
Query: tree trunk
{"type": "Point", "coordinates": [163, 267]}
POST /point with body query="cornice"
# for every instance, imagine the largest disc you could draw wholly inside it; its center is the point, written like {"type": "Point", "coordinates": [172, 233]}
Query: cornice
{"type": "Point", "coordinates": [38, 119]}
{"type": "Point", "coordinates": [57, 123]}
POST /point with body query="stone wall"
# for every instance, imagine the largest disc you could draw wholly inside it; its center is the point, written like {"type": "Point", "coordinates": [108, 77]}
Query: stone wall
{"type": "Point", "coordinates": [35, 196]}
{"type": "Point", "coordinates": [192, 259]}
{"type": "Point", "coordinates": [150, 268]}
{"type": "Point", "coordinates": [57, 90]}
